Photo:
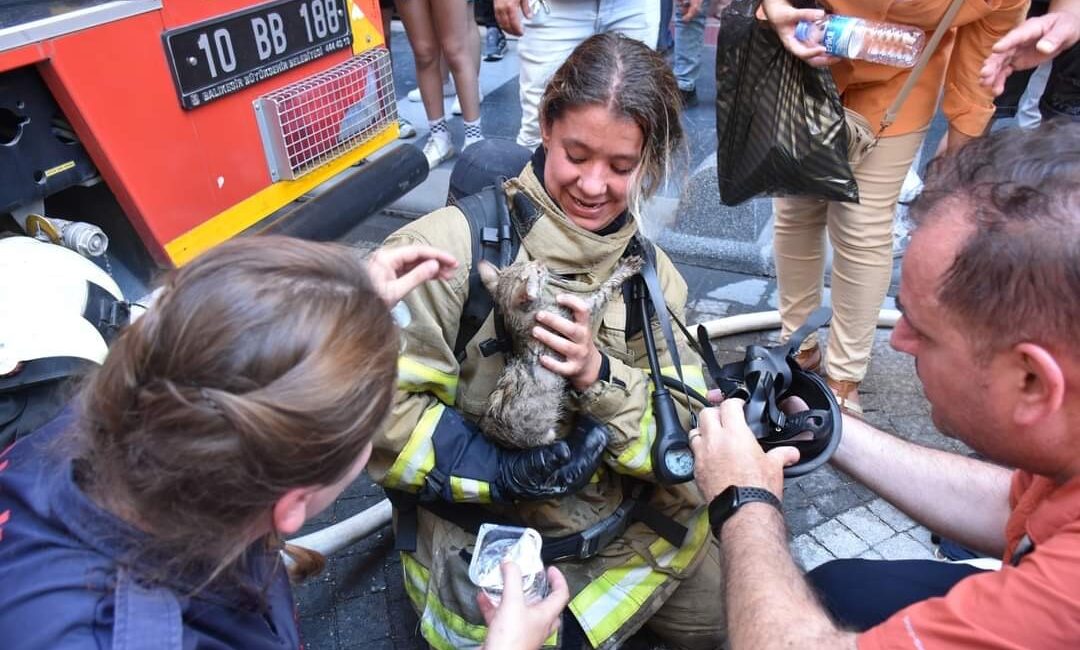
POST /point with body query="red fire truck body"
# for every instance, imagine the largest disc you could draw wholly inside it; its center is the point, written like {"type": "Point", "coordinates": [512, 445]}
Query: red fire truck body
{"type": "Point", "coordinates": [174, 125]}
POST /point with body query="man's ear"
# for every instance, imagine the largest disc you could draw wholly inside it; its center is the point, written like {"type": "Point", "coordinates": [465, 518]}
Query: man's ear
{"type": "Point", "coordinates": [290, 511]}
{"type": "Point", "coordinates": [1040, 384]}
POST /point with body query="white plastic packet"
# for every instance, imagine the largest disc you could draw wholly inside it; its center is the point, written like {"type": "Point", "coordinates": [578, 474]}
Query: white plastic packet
{"type": "Point", "coordinates": [494, 544]}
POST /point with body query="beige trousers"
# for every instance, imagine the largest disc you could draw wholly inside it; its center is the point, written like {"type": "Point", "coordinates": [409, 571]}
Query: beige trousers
{"type": "Point", "coordinates": [861, 236]}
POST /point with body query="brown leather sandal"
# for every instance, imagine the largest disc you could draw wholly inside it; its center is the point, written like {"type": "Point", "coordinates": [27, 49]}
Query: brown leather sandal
{"type": "Point", "coordinates": [847, 394]}
{"type": "Point", "coordinates": [810, 359]}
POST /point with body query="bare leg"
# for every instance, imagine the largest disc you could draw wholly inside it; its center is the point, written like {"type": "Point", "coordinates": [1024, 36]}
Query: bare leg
{"type": "Point", "coordinates": [419, 27]}
{"type": "Point", "coordinates": [453, 22]}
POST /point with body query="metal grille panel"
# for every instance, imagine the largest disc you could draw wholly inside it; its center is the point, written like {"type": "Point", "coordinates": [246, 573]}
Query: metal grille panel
{"type": "Point", "coordinates": [313, 121]}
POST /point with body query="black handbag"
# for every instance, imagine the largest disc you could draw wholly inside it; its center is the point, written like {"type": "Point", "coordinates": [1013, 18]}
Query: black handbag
{"type": "Point", "coordinates": [780, 123]}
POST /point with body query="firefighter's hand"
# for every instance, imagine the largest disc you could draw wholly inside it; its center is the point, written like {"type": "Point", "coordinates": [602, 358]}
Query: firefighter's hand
{"type": "Point", "coordinates": [572, 340]}
{"type": "Point", "coordinates": [513, 625]}
{"type": "Point", "coordinates": [1036, 40]}
{"type": "Point", "coordinates": [397, 271]}
{"type": "Point", "coordinates": [554, 470]}
{"type": "Point", "coordinates": [508, 14]}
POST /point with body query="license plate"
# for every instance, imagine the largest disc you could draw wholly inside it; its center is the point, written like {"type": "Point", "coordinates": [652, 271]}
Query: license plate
{"type": "Point", "coordinates": [218, 57]}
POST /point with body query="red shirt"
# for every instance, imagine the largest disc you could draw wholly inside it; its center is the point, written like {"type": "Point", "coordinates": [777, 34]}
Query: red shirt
{"type": "Point", "coordinates": [1035, 604]}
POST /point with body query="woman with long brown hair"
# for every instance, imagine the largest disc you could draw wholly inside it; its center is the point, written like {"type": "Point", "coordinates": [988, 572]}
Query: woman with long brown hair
{"type": "Point", "coordinates": [242, 403]}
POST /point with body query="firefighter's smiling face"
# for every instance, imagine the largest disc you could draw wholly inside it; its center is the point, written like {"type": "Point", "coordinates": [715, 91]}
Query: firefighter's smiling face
{"type": "Point", "coordinates": [592, 155]}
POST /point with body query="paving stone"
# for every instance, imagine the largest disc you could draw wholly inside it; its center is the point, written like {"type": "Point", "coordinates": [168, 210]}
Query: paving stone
{"type": "Point", "coordinates": [821, 480]}
{"type": "Point", "coordinates": [707, 309]}
{"type": "Point", "coordinates": [801, 520]}
{"type": "Point", "coordinates": [359, 574]}
{"type": "Point", "coordinates": [903, 547]}
{"type": "Point", "coordinates": [864, 493]}
{"type": "Point", "coordinates": [838, 540]}
{"type": "Point", "coordinates": [920, 430]}
{"type": "Point", "coordinates": [809, 553]}
{"type": "Point", "coordinates": [315, 596]}
{"type": "Point", "coordinates": [363, 621]}
{"type": "Point", "coordinates": [868, 526]}
{"type": "Point", "coordinates": [890, 514]}
{"type": "Point", "coordinates": [870, 554]}
{"type": "Point", "coordinates": [836, 501]}
{"type": "Point", "coordinates": [748, 292]}
{"type": "Point", "coordinates": [319, 632]}
{"type": "Point", "coordinates": [922, 536]}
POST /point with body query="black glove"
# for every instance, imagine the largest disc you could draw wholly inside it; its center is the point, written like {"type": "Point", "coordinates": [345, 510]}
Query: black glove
{"type": "Point", "coordinates": [554, 470]}
{"type": "Point", "coordinates": [462, 451]}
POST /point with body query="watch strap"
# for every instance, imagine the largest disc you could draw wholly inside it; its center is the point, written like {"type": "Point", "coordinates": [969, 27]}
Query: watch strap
{"type": "Point", "coordinates": [725, 504]}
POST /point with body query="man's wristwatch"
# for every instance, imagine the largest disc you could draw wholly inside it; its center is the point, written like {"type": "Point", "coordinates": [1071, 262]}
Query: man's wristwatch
{"type": "Point", "coordinates": [731, 499]}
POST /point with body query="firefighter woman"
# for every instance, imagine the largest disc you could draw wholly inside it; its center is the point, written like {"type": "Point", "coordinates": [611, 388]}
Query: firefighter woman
{"type": "Point", "coordinates": [634, 552]}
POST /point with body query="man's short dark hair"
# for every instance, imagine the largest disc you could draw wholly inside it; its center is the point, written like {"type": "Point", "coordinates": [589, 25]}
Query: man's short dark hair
{"type": "Point", "coordinates": [1017, 278]}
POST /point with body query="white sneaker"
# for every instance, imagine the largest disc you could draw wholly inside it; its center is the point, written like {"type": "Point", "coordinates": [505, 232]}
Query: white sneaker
{"type": "Point", "coordinates": [448, 90]}
{"type": "Point", "coordinates": [435, 152]}
{"type": "Point", "coordinates": [455, 108]}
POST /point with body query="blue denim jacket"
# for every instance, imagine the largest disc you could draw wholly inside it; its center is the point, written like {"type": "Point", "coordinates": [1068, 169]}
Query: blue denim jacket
{"type": "Point", "coordinates": [63, 584]}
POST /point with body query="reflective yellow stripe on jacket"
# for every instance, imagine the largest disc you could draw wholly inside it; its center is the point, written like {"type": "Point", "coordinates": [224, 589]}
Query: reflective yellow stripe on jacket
{"type": "Point", "coordinates": [415, 377]}
{"type": "Point", "coordinates": [636, 460]}
{"type": "Point", "coordinates": [418, 457]}
{"type": "Point", "coordinates": [442, 628]}
{"type": "Point", "coordinates": [612, 599]}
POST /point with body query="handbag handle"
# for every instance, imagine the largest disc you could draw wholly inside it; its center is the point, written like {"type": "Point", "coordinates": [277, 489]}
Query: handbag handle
{"type": "Point", "coordinates": [916, 72]}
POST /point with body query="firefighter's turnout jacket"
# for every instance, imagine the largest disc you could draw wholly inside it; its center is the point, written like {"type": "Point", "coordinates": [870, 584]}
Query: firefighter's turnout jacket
{"type": "Point", "coordinates": [612, 593]}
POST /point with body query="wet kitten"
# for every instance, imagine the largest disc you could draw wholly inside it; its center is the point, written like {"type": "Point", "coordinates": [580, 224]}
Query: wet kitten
{"type": "Point", "coordinates": [528, 401]}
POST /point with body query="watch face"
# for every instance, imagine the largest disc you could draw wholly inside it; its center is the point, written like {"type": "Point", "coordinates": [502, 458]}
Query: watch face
{"type": "Point", "coordinates": [680, 462]}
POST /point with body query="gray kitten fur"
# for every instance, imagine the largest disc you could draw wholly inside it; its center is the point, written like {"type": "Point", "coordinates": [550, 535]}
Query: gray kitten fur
{"type": "Point", "coordinates": [529, 400]}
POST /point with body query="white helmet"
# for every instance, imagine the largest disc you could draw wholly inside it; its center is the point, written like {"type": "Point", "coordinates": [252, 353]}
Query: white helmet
{"type": "Point", "coordinates": [54, 304]}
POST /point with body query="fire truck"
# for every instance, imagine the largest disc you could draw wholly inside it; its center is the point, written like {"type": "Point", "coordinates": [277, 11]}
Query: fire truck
{"type": "Point", "coordinates": [143, 132]}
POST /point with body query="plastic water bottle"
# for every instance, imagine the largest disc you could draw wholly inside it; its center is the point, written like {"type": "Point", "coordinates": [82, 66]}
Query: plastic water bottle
{"type": "Point", "coordinates": [857, 38]}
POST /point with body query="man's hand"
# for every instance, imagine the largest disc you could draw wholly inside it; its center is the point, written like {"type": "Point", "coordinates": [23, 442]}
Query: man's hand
{"type": "Point", "coordinates": [508, 14]}
{"type": "Point", "coordinates": [397, 271]}
{"type": "Point", "coordinates": [783, 18]}
{"type": "Point", "coordinates": [727, 453]}
{"type": "Point", "coordinates": [513, 625]}
{"type": "Point", "coordinates": [1036, 40]}
{"type": "Point", "coordinates": [572, 340]}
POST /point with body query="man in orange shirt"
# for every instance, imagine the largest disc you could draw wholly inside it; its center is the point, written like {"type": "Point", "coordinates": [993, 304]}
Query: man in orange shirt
{"type": "Point", "coordinates": [990, 291]}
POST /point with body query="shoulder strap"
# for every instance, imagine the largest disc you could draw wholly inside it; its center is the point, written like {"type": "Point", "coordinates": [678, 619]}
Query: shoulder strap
{"type": "Point", "coordinates": [494, 241]}
{"type": "Point", "coordinates": [916, 72]}
{"type": "Point", "coordinates": [145, 617]}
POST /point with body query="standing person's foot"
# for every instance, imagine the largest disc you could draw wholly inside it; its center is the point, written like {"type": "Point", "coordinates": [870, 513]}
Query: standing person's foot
{"type": "Point", "coordinates": [689, 97]}
{"type": "Point", "coordinates": [810, 359]}
{"type": "Point", "coordinates": [405, 129]}
{"type": "Point", "coordinates": [455, 108]}
{"type": "Point", "coordinates": [448, 90]}
{"type": "Point", "coordinates": [847, 394]}
{"type": "Point", "coordinates": [494, 44]}
{"type": "Point", "coordinates": [438, 151]}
